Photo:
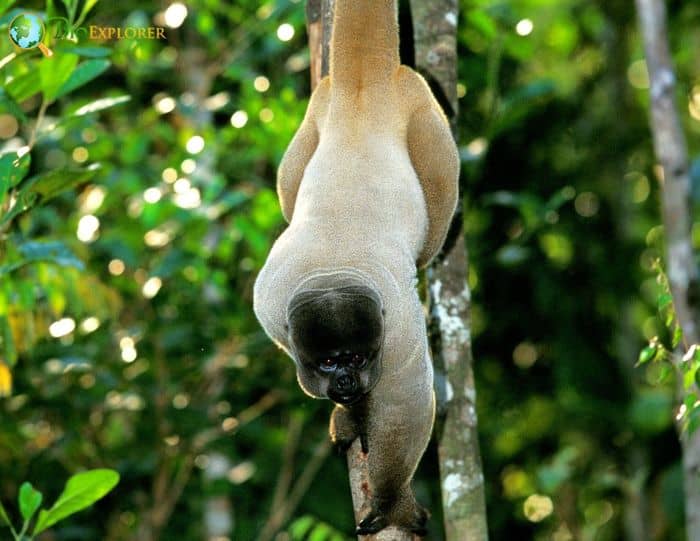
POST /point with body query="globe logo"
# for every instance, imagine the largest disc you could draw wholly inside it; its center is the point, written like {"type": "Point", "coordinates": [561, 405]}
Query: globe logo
{"type": "Point", "coordinates": [27, 31]}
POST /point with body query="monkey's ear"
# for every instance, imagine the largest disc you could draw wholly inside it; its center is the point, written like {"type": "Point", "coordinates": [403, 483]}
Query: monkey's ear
{"type": "Point", "coordinates": [300, 151]}
{"type": "Point", "coordinates": [435, 159]}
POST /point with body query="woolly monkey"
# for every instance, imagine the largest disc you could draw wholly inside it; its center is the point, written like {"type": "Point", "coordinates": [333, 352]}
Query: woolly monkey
{"type": "Point", "coordinates": [369, 187]}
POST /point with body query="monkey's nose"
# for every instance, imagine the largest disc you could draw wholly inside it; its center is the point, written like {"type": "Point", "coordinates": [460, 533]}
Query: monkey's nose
{"type": "Point", "coordinates": [346, 384]}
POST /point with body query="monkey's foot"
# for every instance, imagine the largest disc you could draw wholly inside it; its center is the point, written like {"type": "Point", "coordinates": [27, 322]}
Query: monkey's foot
{"type": "Point", "coordinates": [411, 517]}
{"type": "Point", "coordinates": [372, 523]}
{"type": "Point", "coordinates": [344, 429]}
{"type": "Point", "coordinates": [342, 445]}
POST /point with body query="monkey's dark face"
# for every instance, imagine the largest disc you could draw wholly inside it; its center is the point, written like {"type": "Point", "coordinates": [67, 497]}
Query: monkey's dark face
{"type": "Point", "coordinates": [336, 337]}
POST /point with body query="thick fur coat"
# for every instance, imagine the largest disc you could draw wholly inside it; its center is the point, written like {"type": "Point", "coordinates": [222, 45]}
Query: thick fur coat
{"type": "Point", "coordinates": [369, 187]}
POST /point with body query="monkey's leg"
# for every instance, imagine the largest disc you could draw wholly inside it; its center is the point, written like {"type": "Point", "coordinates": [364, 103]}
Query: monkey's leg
{"type": "Point", "coordinates": [397, 438]}
{"type": "Point", "coordinates": [347, 425]}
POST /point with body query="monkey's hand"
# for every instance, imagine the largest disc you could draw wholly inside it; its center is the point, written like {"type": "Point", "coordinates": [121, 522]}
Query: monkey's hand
{"type": "Point", "coordinates": [403, 512]}
{"type": "Point", "coordinates": [344, 429]}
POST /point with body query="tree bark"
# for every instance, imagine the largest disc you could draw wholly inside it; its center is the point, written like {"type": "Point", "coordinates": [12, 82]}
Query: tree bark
{"type": "Point", "coordinates": [461, 476]}
{"type": "Point", "coordinates": [671, 151]}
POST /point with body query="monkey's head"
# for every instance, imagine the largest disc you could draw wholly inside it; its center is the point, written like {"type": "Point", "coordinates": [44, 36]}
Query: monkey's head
{"type": "Point", "coordinates": [336, 339]}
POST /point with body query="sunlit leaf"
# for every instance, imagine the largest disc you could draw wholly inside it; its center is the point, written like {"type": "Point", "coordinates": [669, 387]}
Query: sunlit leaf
{"type": "Point", "coordinates": [54, 72]}
{"type": "Point", "coordinates": [100, 105]}
{"type": "Point", "coordinates": [52, 183]}
{"type": "Point", "coordinates": [24, 201]}
{"type": "Point", "coordinates": [13, 169]}
{"type": "Point", "coordinates": [29, 500]}
{"type": "Point", "coordinates": [81, 491]}
{"type": "Point", "coordinates": [84, 73]}
{"type": "Point", "coordinates": [25, 85]}
{"type": "Point", "coordinates": [5, 385]}
{"type": "Point", "coordinates": [87, 6]}
{"type": "Point", "coordinates": [5, 5]}
{"type": "Point", "coordinates": [647, 354]}
{"type": "Point", "coordinates": [300, 528]}
{"type": "Point", "coordinates": [677, 336]}
{"type": "Point", "coordinates": [664, 301]}
{"type": "Point", "coordinates": [478, 19]}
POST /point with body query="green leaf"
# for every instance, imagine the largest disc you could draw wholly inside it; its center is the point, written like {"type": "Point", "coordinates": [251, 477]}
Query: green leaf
{"type": "Point", "coordinates": [677, 336]}
{"type": "Point", "coordinates": [52, 183]}
{"type": "Point", "coordinates": [55, 71]}
{"type": "Point", "coordinates": [25, 200]}
{"type": "Point", "coordinates": [664, 373]}
{"type": "Point", "coordinates": [7, 104]}
{"type": "Point", "coordinates": [664, 300]}
{"type": "Point", "coordinates": [51, 252]}
{"type": "Point", "coordinates": [90, 52]}
{"type": "Point", "coordinates": [29, 501]}
{"type": "Point", "coordinates": [693, 420]}
{"type": "Point", "coordinates": [82, 490]}
{"type": "Point", "coordinates": [100, 105]}
{"type": "Point", "coordinates": [7, 18]}
{"type": "Point", "coordinates": [13, 169]}
{"type": "Point", "coordinates": [87, 6]}
{"type": "Point", "coordinates": [478, 19]}
{"type": "Point", "coordinates": [8, 342]}
{"type": "Point", "coordinates": [83, 74]}
{"type": "Point", "coordinates": [301, 527]}
{"type": "Point", "coordinates": [25, 85]}
{"type": "Point", "coordinates": [3, 516]}
{"type": "Point", "coordinates": [5, 5]}
{"type": "Point", "coordinates": [647, 354]}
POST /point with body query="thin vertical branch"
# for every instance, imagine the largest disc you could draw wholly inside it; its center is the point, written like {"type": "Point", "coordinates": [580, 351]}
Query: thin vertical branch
{"type": "Point", "coordinates": [320, 12]}
{"type": "Point", "coordinates": [462, 479]}
{"type": "Point", "coordinates": [671, 151]}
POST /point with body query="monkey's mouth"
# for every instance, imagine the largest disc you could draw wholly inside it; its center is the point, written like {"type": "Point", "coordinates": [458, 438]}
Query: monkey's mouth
{"type": "Point", "coordinates": [345, 400]}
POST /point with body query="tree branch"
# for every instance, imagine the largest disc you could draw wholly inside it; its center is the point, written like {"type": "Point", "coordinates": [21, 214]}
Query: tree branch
{"type": "Point", "coordinates": [320, 12]}
{"type": "Point", "coordinates": [671, 151]}
{"type": "Point", "coordinates": [461, 476]}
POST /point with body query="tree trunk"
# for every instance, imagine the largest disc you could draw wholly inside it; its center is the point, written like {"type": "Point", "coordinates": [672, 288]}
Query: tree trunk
{"type": "Point", "coordinates": [461, 476]}
{"type": "Point", "coordinates": [671, 151]}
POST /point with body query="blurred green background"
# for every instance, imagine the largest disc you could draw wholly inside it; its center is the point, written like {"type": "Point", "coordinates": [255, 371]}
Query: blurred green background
{"type": "Point", "coordinates": [126, 288]}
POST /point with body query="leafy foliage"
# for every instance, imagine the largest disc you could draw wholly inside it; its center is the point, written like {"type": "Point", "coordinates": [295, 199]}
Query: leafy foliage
{"type": "Point", "coordinates": [137, 204]}
{"type": "Point", "coordinates": [81, 491]}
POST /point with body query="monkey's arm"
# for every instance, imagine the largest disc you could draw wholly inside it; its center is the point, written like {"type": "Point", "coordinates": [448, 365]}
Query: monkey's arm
{"type": "Point", "coordinates": [436, 161]}
{"type": "Point", "coordinates": [396, 442]}
{"type": "Point", "coordinates": [300, 151]}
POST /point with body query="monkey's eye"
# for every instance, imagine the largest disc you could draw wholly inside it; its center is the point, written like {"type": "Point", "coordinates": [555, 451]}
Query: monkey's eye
{"type": "Point", "coordinates": [358, 361]}
{"type": "Point", "coordinates": [327, 364]}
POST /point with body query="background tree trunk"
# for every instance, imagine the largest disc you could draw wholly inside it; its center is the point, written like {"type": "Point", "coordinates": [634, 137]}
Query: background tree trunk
{"type": "Point", "coordinates": [671, 151]}
{"type": "Point", "coordinates": [461, 476]}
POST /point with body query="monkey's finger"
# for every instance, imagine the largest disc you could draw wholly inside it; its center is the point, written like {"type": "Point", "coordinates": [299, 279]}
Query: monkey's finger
{"type": "Point", "coordinates": [363, 442]}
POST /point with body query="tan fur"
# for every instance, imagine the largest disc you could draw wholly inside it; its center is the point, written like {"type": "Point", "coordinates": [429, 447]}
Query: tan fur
{"type": "Point", "coordinates": [369, 186]}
